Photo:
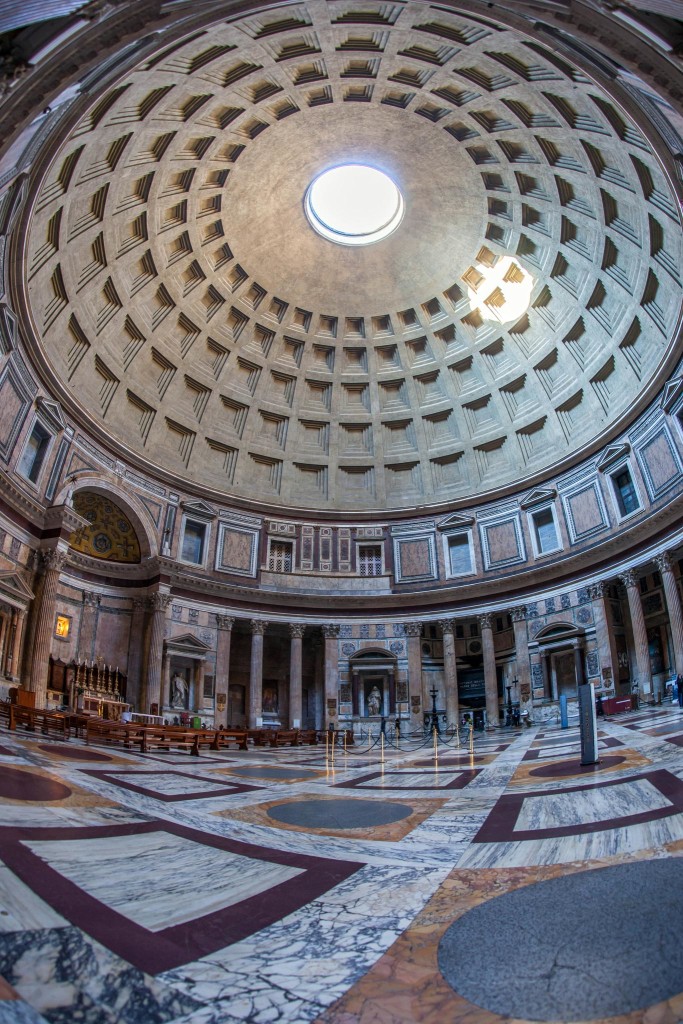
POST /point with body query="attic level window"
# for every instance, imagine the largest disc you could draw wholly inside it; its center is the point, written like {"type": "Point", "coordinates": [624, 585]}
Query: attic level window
{"type": "Point", "coordinates": [280, 556]}
{"type": "Point", "coordinates": [353, 204]}
{"type": "Point", "coordinates": [370, 560]}
{"type": "Point", "coordinates": [194, 542]}
{"type": "Point", "coordinates": [34, 453]}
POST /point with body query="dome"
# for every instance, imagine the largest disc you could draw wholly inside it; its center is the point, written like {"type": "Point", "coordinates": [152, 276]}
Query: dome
{"type": "Point", "coordinates": [188, 313]}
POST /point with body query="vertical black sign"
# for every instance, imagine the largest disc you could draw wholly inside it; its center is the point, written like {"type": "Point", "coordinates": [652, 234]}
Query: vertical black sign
{"type": "Point", "coordinates": [588, 724]}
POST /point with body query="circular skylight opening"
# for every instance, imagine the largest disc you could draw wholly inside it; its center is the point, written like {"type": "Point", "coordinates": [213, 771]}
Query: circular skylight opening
{"type": "Point", "coordinates": [354, 204]}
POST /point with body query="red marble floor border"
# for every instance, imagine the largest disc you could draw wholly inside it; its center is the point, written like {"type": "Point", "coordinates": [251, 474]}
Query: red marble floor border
{"type": "Point", "coordinates": [221, 788]}
{"type": "Point", "coordinates": [499, 827]}
{"type": "Point", "coordinates": [154, 952]}
{"type": "Point", "coordinates": [466, 776]}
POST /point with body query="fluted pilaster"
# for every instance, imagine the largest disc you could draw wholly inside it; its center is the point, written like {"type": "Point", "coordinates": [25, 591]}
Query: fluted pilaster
{"type": "Point", "coordinates": [296, 632]}
{"type": "Point", "coordinates": [52, 563]}
{"type": "Point", "coordinates": [630, 579]}
{"type": "Point", "coordinates": [490, 676]}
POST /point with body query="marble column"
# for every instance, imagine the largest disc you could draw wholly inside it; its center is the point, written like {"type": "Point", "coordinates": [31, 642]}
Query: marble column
{"type": "Point", "coordinates": [165, 680]}
{"type": "Point", "coordinates": [13, 643]}
{"type": "Point", "coordinates": [10, 633]}
{"type": "Point", "coordinates": [664, 563]}
{"type": "Point", "coordinates": [159, 602]}
{"type": "Point", "coordinates": [200, 671]}
{"type": "Point", "coordinates": [604, 635]}
{"type": "Point", "coordinates": [223, 645]}
{"type": "Point", "coordinates": [518, 616]}
{"type": "Point", "coordinates": [490, 677]}
{"type": "Point", "coordinates": [546, 672]}
{"type": "Point", "coordinates": [135, 651]}
{"type": "Point", "coordinates": [630, 580]}
{"type": "Point", "coordinates": [258, 628]}
{"type": "Point", "coordinates": [331, 696]}
{"type": "Point", "coordinates": [86, 637]}
{"type": "Point", "coordinates": [52, 563]}
{"type": "Point", "coordinates": [414, 635]}
{"type": "Point", "coordinates": [296, 632]}
{"type": "Point", "coordinates": [579, 671]}
{"type": "Point", "coordinates": [450, 671]}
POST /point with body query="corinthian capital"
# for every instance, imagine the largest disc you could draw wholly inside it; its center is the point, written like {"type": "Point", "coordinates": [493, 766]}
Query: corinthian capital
{"type": "Point", "coordinates": [297, 629]}
{"type": "Point", "coordinates": [225, 621]}
{"type": "Point", "coordinates": [485, 620]}
{"type": "Point", "coordinates": [330, 630]}
{"type": "Point", "coordinates": [598, 590]}
{"type": "Point", "coordinates": [413, 628]}
{"type": "Point", "coordinates": [629, 578]}
{"type": "Point", "coordinates": [258, 626]}
{"type": "Point", "coordinates": [52, 559]}
{"type": "Point", "coordinates": [518, 614]}
{"type": "Point", "coordinates": [447, 625]}
{"type": "Point", "coordinates": [664, 562]}
{"type": "Point", "coordinates": [159, 602]}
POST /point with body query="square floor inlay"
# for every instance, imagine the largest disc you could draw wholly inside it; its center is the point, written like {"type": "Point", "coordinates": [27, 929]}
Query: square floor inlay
{"type": "Point", "coordinates": [162, 889]}
{"type": "Point", "coordinates": [160, 895]}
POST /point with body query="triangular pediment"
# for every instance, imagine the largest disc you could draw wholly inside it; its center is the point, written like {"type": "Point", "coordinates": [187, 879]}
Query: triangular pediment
{"type": "Point", "coordinates": [52, 412]}
{"type": "Point", "coordinates": [200, 509]}
{"type": "Point", "coordinates": [673, 390]}
{"type": "Point", "coordinates": [11, 583]}
{"type": "Point", "coordinates": [612, 454]}
{"type": "Point", "coordinates": [538, 496]}
{"type": "Point", "coordinates": [455, 520]}
{"type": "Point", "coordinates": [187, 642]}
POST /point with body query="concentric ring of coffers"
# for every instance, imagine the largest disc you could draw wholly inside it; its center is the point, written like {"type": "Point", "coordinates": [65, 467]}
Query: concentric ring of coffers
{"type": "Point", "coordinates": [526, 301]}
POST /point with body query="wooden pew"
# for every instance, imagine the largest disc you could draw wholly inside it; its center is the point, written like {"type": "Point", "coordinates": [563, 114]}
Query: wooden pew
{"type": "Point", "coordinates": [100, 730]}
{"type": "Point", "coordinates": [167, 737]}
{"type": "Point", "coordinates": [33, 718]}
{"type": "Point", "coordinates": [223, 737]}
{"type": "Point", "coordinates": [281, 737]}
{"type": "Point", "coordinates": [308, 737]}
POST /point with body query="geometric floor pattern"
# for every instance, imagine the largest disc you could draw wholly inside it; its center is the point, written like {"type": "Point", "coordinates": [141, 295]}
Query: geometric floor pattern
{"type": "Point", "coordinates": [511, 883]}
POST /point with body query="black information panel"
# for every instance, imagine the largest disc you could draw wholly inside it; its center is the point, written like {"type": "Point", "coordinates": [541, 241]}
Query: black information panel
{"type": "Point", "coordinates": [588, 724]}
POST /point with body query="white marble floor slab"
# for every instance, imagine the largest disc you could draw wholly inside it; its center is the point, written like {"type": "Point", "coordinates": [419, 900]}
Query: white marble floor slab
{"type": "Point", "coordinates": [159, 879]}
{"type": "Point", "coordinates": [406, 779]}
{"type": "Point", "coordinates": [170, 784]}
{"type": "Point", "coordinates": [585, 806]}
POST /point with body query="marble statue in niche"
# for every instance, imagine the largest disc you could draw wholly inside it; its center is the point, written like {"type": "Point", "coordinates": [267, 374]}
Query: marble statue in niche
{"type": "Point", "coordinates": [179, 692]}
{"type": "Point", "coordinates": [374, 701]}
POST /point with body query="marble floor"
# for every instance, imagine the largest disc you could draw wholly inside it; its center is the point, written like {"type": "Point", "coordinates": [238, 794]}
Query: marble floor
{"type": "Point", "coordinates": [389, 886]}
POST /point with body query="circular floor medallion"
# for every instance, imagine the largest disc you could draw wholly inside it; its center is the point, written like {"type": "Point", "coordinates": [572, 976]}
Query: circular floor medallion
{"type": "Point", "coordinates": [574, 767]}
{"type": "Point", "coordinates": [583, 937]}
{"type": "Point", "coordinates": [340, 813]}
{"type": "Point", "coordinates": [74, 753]}
{"type": "Point", "coordinates": [16, 784]}
{"type": "Point", "coordinates": [276, 774]}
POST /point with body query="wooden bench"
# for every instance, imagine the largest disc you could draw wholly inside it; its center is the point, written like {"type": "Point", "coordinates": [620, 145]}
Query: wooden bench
{"type": "Point", "coordinates": [259, 736]}
{"type": "Point", "coordinates": [223, 737]}
{"type": "Point", "coordinates": [104, 731]}
{"type": "Point", "coordinates": [34, 718]}
{"type": "Point", "coordinates": [167, 737]}
{"type": "Point", "coordinates": [281, 737]}
{"type": "Point", "coordinates": [308, 737]}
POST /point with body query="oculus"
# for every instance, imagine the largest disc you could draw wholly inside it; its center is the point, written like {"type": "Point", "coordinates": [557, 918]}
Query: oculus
{"type": "Point", "coordinates": [354, 204]}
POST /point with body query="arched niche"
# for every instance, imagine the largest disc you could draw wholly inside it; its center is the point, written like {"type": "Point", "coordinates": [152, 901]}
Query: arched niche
{"type": "Point", "coordinates": [373, 670]}
{"type": "Point", "coordinates": [111, 492]}
{"type": "Point", "coordinates": [561, 650]}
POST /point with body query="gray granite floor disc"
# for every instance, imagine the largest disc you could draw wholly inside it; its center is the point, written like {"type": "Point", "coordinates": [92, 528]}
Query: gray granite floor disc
{"type": "Point", "coordinates": [589, 945]}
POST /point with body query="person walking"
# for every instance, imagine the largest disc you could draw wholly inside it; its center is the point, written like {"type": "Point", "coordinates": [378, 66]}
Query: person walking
{"type": "Point", "coordinates": [679, 688]}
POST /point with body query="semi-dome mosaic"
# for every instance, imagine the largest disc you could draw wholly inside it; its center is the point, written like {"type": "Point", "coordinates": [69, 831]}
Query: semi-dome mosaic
{"type": "Point", "coordinates": [524, 307]}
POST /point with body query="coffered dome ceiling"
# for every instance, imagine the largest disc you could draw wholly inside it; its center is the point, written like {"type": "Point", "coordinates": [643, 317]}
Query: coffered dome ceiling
{"type": "Point", "coordinates": [528, 297]}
